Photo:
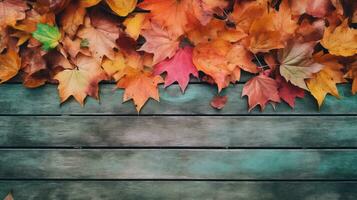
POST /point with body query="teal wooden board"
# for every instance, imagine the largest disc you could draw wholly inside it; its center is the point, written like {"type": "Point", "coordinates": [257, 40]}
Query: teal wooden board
{"type": "Point", "coordinates": [183, 190]}
{"type": "Point", "coordinates": [178, 131]}
{"type": "Point", "coordinates": [15, 99]}
{"type": "Point", "coordinates": [178, 164]}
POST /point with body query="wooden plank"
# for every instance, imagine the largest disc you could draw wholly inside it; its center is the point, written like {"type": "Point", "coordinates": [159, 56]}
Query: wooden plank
{"type": "Point", "coordinates": [178, 164]}
{"type": "Point", "coordinates": [14, 99]}
{"type": "Point", "coordinates": [178, 131]}
{"type": "Point", "coordinates": [183, 190]}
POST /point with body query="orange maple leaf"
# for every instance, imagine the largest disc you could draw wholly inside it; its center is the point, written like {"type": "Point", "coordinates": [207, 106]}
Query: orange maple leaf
{"type": "Point", "coordinates": [139, 86]}
{"type": "Point", "coordinates": [223, 61]}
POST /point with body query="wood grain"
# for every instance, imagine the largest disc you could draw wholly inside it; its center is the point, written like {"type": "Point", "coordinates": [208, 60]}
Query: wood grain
{"type": "Point", "coordinates": [183, 190]}
{"type": "Point", "coordinates": [14, 99]}
{"type": "Point", "coordinates": [178, 131]}
{"type": "Point", "coordinates": [178, 164]}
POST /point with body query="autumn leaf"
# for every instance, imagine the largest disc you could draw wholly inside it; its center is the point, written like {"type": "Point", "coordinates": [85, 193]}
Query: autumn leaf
{"type": "Point", "coordinates": [296, 63]}
{"type": "Point", "coordinates": [101, 32]}
{"type": "Point", "coordinates": [261, 90]}
{"type": "Point", "coordinates": [49, 36]}
{"type": "Point", "coordinates": [178, 68]}
{"type": "Point", "coordinates": [218, 102]}
{"type": "Point", "coordinates": [159, 42]}
{"type": "Point", "coordinates": [34, 66]}
{"type": "Point", "coordinates": [134, 24]}
{"type": "Point", "coordinates": [11, 11]}
{"type": "Point", "coordinates": [170, 14]}
{"type": "Point", "coordinates": [10, 64]}
{"type": "Point", "coordinates": [324, 82]}
{"type": "Point", "coordinates": [271, 30]}
{"type": "Point", "coordinates": [139, 86]}
{"type": "Point", "coordinates": [289, 92]}
{"type": "Point", "coordinates": [340, 41]}
{"type": "Point", "coordinates": [122, 7]}
{"type": "Point", "coordinates": [223, 61]}
{"type": "Point", "coordinates": [81, 80]}
{"type": "Point", "coordinates": [72, 18]}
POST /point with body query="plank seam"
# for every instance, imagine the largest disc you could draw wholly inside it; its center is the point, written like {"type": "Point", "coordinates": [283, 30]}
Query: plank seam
{"type": "Point", "coordinates": [181, 180]}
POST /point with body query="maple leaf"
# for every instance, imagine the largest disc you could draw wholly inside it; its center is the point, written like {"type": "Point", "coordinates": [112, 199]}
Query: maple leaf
{"type": "Point", "coordinates": [139, 86]}
{"type": "Point", "coordinates": [49, 36]}
{"type": "Point", "coordinates": [296, 63]}
{"type": "Point", "coordinates": [134, 24]}
{"type": "Point", "coordinates": [171, 14]}
{"type": "Point", "coordinates": [218, 102]}
{"type": "Point", "coordinates": [271, 30]}
{"type": "Point", "coordinates": [80, 81]}
{"type": "Point", "coordinates": [352, 74]}
{"type": "Point", "coordinates": [324, 82]}
{"type": "Point", "coordinates": [288, 92]}
{"type": "Point", "coordinates": [122, 7]}
{"type": "Point", "coordinates": [72, 18]}
{"type": "Point", "coordinates": [159, 42]}
{"type": "Point", "coordinates": [11, 11]}
{"type": "Point", "coordinates": [10, 64]}
{"type": "Point", "coordinates": [101, 32]}
{"type": "Point", "coordinates": [34, 66]}
{"type": "Point", "coordinates": [223, 61]}
{"type": "Point", "coordinates": [340, 41]}
{"type": "Point", "coordinates": [178, 68]}
{"type": "Point", "coordinates": [260, 90]}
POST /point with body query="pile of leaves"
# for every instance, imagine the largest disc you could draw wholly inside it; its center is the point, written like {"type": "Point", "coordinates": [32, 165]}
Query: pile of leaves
{"type": "Point", "coordinates": [290, 46]}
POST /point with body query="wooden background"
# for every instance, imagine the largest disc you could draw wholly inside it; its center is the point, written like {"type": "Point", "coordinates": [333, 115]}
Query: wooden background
{"type": "Point", "coordinates": [180, 148]}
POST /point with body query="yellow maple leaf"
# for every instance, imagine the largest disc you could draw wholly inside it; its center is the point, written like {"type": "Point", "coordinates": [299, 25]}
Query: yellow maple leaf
{"type": "Point", "coordinates": [340, 40]}
{"type": "Point", "coordinates": [324, 82]}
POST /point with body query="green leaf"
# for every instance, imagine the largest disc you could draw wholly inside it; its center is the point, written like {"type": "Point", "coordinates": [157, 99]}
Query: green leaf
{"type": "Point", "coordinates": [47, 35]}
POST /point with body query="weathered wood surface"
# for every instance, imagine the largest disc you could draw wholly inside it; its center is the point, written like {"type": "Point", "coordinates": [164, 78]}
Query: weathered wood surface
{"type": "Point", "coordinates": [178, 131]}
{"type": "Point", "coordinates": [183, 190]}
{"type": "Point", "coordinates": [15, 99]}
{"type": "Point", "coordinates": [178, 164]}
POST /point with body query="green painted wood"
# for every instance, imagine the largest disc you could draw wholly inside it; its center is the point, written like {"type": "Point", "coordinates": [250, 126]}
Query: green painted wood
{"type": "Point", "coordinates": [178, 164]}
{"type": "Point", "coordinates": [178, 131]}
{"type": "Point", "coordinates": [14, 99]}
{"type": "Point", "coordinates": [163, 190]}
